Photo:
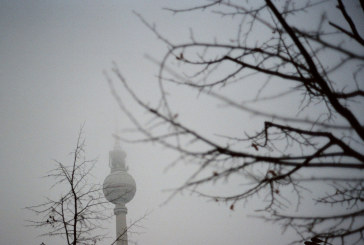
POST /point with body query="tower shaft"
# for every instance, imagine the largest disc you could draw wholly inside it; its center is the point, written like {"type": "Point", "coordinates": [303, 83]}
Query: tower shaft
{"type": "Point", "coordinates": [120, 212]}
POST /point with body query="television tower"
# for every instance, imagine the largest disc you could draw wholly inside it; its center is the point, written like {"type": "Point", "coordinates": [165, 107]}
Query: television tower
{"type": "Point", "coordinates": [119, 188]}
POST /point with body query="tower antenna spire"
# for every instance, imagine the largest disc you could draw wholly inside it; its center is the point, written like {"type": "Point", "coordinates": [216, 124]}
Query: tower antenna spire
{"type": "Point", "coordinates": [116, 134]}
{"type": "Point", "coordinates": [117, 145]}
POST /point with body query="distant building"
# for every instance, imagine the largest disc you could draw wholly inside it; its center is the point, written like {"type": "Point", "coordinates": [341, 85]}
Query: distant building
{"type": "Point", "coordinates": [119, 188]}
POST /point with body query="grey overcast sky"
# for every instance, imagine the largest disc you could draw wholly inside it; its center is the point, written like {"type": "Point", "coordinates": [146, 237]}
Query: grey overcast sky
{"type": "Point", "coordinates": [52, 57]}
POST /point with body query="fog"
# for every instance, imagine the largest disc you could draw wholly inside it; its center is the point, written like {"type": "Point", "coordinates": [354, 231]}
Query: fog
{"type": "Point", "coordinates": [53, 55]}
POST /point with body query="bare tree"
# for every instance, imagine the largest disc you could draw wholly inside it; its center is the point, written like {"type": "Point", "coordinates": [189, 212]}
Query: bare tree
{"type": "Point", "coordinates": [77, 214]}
{"type": "Point", "coordinates": [318, 63]}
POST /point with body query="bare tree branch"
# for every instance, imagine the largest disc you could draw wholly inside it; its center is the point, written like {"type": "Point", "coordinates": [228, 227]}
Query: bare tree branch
{"type": "Point", "coordinates": [320, 66]}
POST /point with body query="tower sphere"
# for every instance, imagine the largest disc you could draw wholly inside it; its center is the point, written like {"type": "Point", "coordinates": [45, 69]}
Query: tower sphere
{"type": "Point", "coordinates": [119, 187]}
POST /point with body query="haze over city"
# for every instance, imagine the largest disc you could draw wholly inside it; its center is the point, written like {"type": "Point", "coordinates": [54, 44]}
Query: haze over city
{"type": "Point", "coordinates": [54, 56]}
